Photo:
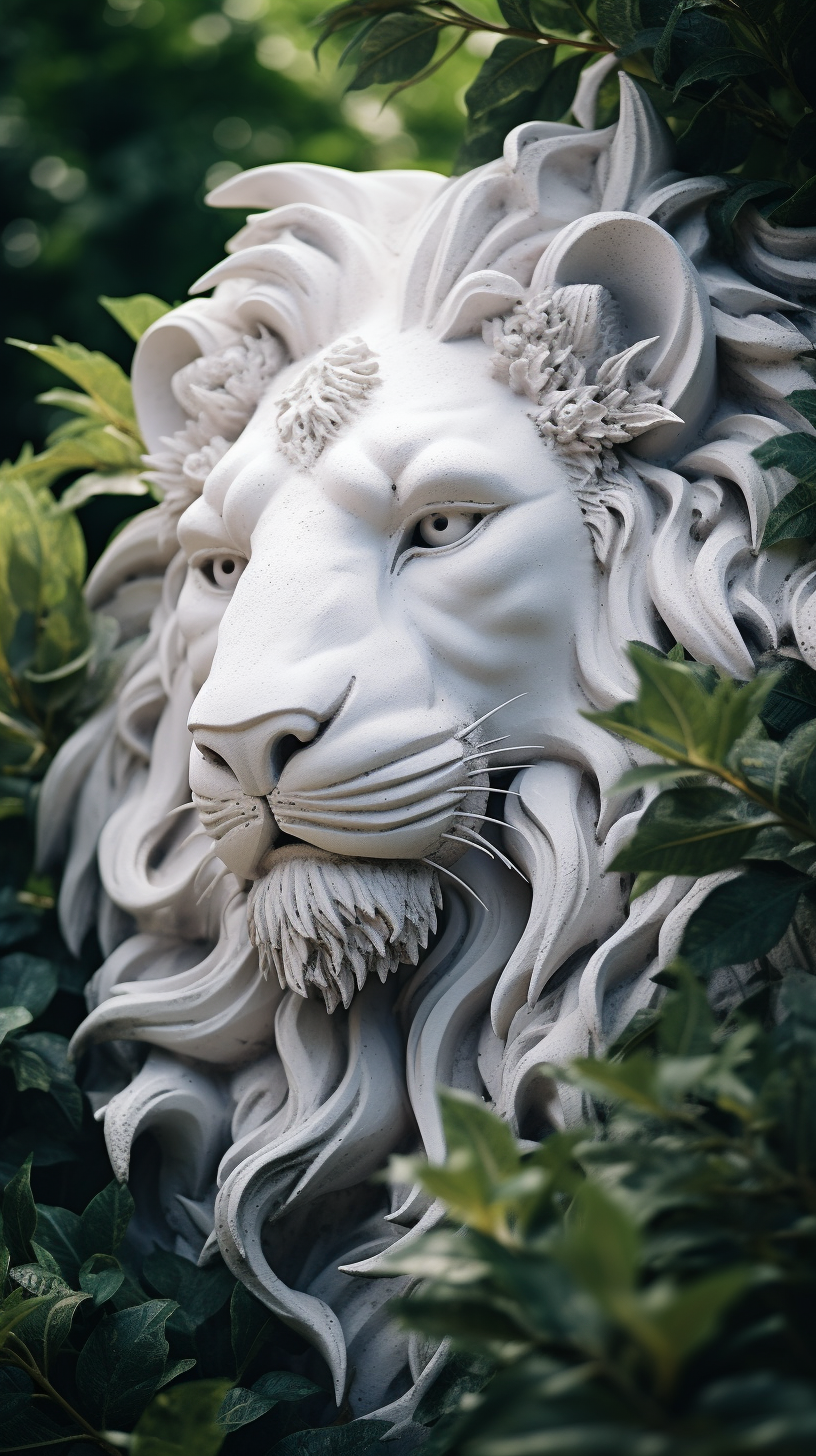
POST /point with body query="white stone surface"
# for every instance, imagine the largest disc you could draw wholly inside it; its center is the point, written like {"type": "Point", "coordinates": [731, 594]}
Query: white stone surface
{"type": "Point", "coordinates": [432, 453]}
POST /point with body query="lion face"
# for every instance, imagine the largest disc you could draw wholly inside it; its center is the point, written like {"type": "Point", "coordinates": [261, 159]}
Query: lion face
{"type": "Point", "coordinates": [369, 610]}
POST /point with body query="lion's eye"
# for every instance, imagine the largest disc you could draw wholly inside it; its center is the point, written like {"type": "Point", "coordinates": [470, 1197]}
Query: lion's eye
{"type": "Point", "coordinates": [223, 570]}
{"type": "Point", "coordinates": [442, 528]}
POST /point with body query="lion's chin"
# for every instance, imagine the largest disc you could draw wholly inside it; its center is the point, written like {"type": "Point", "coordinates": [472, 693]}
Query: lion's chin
{"type": "Point", "coordinates": [325, 922]}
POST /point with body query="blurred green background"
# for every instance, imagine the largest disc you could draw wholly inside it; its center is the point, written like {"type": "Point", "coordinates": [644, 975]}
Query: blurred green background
{"type": "Point", "coordinates": [116, 116]}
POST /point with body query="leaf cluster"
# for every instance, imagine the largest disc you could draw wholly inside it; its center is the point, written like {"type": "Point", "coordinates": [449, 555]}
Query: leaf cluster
{"type": "Point", "coordinates": [57, 660]}
{"type": "Point", "coordinates": [742, 769]}
{"type": "Point", "coordinates": [643, 1286]}
{"type": "Point", "coordinates": [732, 77]}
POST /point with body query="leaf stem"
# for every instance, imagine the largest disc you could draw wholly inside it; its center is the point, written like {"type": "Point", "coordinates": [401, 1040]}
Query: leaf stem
{"type": "Point", "coordinates": [26, 1363]}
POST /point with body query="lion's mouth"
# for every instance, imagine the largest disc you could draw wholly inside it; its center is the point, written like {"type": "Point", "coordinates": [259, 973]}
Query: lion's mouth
{"type": "Point", "coordinates": [398, 811]}
{"type": "Point", "coordinates": [405, 809]}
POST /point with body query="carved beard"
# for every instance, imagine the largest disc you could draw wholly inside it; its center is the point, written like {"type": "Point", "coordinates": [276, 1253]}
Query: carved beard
{"type": "Point", "coordinates": [324, 922]}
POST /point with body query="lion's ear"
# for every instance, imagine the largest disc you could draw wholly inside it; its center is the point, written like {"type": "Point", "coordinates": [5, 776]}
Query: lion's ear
{"type": "Point", "coordinates": [661, 297]}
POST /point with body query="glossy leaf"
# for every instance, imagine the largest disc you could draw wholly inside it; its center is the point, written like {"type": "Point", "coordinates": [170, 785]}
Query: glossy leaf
{"type": "Point", "coordinates": [101, 1276]}
{"type": "Point", "coordinates": [121, 1365]}
{"type": "Point", "coordinates": [513, 67]}
{"type": "Point", "coordinates": [27, 980]}
{"type": "Point", "coordinates": [104, 1223]}
{"type": "Point", "coordinates": [720, 66]}
{"type": "Point", "coordinates": [349, 1440]}
{"type": "Point", "coordinates": [690, 832]}
{"type": "Point", "coordinates": [395, 49]}
{"type": "Point", "coordinates": [742, 919]}
{"type": "Point", "coordinates": [19, 1216]}
{"type": "Point", "coordinates": [200, 1293]}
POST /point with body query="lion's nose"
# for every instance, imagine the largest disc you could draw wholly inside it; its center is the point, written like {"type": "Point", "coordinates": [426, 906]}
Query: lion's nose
{"type": "Point", "coordinates": [256, 754]}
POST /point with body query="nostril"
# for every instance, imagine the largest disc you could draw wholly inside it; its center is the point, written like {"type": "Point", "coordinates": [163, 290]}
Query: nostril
{"type": "Point", "coordinates": [210, 756]}
{"type": "Point", "coordinates": [283, 751]}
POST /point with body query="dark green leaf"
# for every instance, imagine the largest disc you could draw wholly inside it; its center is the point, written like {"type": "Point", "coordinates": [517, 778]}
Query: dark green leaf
{"type": "Point", "coordinates": [513, 67]}
{"type": "Point", "coordinates": [59, 1231]}
{"type": "Point", "coordinates": [798, 210]}
{"type": "Point", "coordinates": [27, 980]}
{"type": "Point", "coordinates": [50, 1325]}
{"type": "Point", "coordinates": [794, 517]}
{"type": "Point", "coordinates": [619, 20]}
{"type": "Point", "coordinates": [724, 213]}
{"type": "Point", "coordinates": [35, 1280]}
{"type": "Point", "coordinates": [121, 1365]}
{"type": "Point", "coordinates": [804, 400]}
{"type": "Point", "coordinates": [104, 1222]}
{"type": "Point", "coordinates": [743, 919]}
{"type": "Point", "coordinates": [689, 832]}
{"type": "Point", "coordinates": [348, 1440]}
{"type": "Point", "coordinates": [686, 1020]}
{"type": "Point", "coordinates": [281, 1385]}
{"type": "Point", "coordinates": [40, 1060]}
{"type": "Point", "coordinates": [101, 1276]}
{"type": "Point", "coordinates": [11, 1019]}
{"type": "Point", "coordinates": [17, 922]}
{"type": "Point", "coordinates": [251, 1325]}
{"type": "Point", "coordinates": [397, 48]}
{"type": "Point", "coordinates": [240, 1407]}
{"type": "Point", "coordinates": [792, 700]}
{"type": "Point", "coordinates": [795, 452]}
{"type": "Point", "coordinates": [557, 95]}
{"type": "Point", "coordinates": [517, 13]}
{"type": "Point", "coordinates": [460, 1374]}
{"type": "Point", "coordinates": [802, 140]}
{"type": "Point", "coordinates": [200, 1293]}
{"type": "Point", "coordinates": [719, 67]}
{"type": "Point", "coordinates": [717, 140]}
{"type": "Point", "coordinates": [19, 1216]}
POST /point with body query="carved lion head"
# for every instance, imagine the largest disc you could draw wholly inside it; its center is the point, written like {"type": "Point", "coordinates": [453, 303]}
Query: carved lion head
{"type": "Point", "coordinates": [432, 452]}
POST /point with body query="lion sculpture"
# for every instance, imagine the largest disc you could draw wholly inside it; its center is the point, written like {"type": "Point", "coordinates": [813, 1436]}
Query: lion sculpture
{"type": "Point", "coordinates": [431, 453]}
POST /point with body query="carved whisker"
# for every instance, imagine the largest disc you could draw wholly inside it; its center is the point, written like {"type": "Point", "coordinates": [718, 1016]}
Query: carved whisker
{"type": "Point", "coordinates": [194, 834]}
{"type": "Point", "coordinates": [479, 842]}
{"type": "Point", "coordinates": [216, 880]}
{"type": "Point", "coordinates": [471, 845]}
{"type": "Point", "coordinates": [512, 748]}
{"type": "Point", "coordinates": [475, 772]}
{"type": "Point", "coordinates": [492, 790]}
{"type": "Point", "coordinates": [442, 871]}
{"type": "Point", "coordinates": [210, 855]}
{"type": "Point", "coordinates": [463, 732]}
{"type": "Point", "coordinates": [179, 809]}
{"type": "Point", "coordinates": [465, 814]}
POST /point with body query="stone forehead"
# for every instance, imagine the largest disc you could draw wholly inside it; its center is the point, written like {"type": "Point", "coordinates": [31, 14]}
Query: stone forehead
{"type": "Point", "coordinates": [324, 397]}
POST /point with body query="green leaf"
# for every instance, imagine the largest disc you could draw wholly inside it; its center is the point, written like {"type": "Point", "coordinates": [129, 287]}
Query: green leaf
{"type": "Point", "coordinates": [59, 1231]}
{"type": "Point", "coordinates": [19, 1216]}
{"type": "Point", "coordinates": [181, 1421]}
{"type": "Point", "coordinates": [792, 700]}
{"type": "Point", "coordinates": [101, 1276]}
{"type": "Point", "coordinates": [720, 66]}
{"type": "Point", "coordinates": [12, 1018]}
{"type": "Point", "coordinates": [39, 1061]}
{"type": "Point", "coordinates": [71, 399]}
{"type": "Point", "coordinates": [558, 92]}
{"type": "Point", "coordinates": [690, 832]}
{"type": "Point", "coordinates": [48, 1329]}
{"type": "Point", "coordinates": [600, 1245]}
{"type": "Point", "coordinates": [684, 1319]}
{"type": "Point", "coordinates": [794, 517]}
{"type": "Point", "coordinates": [724, 213]}
{"type": "Point", "coordinates": [121, 1365]}
{"type": "Point", "coordinates": [200, 1293]}
{"type": "Point", "coordinates": [513, 67]}
{"type": "Point", "coordinates": [348, 1440]}
{"type": "Point", "coordinates": [804, 400]}
{"type": "Point", "coordinates": [743, 919]}
{"type": "Point", "coordinates": [14, 1311]}
{"type": "Point", "coordinates": [35, 1280]}
{"type": "Point", "coordinates": [395, 49]}
{"type": "Point", "coordinates": [101, 378]}
{"type": "Point", "coordinates": [517, 13]}
{"type": "Point", "coordinates": [686, 1022]}
{"type": "Point", "coordinates": [650, 773]}
{"type": "Point", "coordinates": [798, 210]}
{"type": "Point", "coordinates": [619, 20]}
{"type": "Point", "coordinates": [795, 452]}
{"type": "Point", "coordinates": [240, 1407]}
{"type": "Point", "coordinates": [717, 139]}
{"type": "Point", "coordinates": [137, 313]}
{"type": "Point", "coordinates": [27, 980]}
{"type": "Point", "coordinates": [251, 1326]}
{"type": "Point", "coordinates": [104, 1223]}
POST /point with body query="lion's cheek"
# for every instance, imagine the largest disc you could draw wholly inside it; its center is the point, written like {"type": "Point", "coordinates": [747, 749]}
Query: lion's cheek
{"type": "Point", "coordinates": [199, 617]}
